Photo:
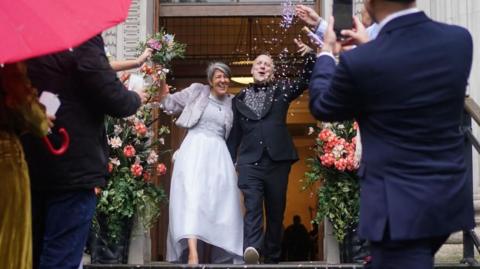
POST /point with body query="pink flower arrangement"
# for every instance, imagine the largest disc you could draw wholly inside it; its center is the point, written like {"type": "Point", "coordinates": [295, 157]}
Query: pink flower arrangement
{"type": "Point", "coordinates": [136, 146]}
{"type": "Point", "coordinates": [165, 48]}
{"type": "Point", "coordinates": [335, 166]}
{"type": "Point", "coordinates": [337, 152]}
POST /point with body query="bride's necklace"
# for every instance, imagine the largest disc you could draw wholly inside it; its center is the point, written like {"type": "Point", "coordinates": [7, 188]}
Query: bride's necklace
{"type": "Point", "coordinates": [215, 101]}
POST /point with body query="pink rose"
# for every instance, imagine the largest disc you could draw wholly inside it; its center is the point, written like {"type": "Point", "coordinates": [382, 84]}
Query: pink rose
{"type": "Point", "coordinates": [146, 177]}
{"type": "Point", "coordinates": [110, 167]}
{"type": "Point", "coordinates": [326, 135]}
{"type": "Point", "coordinates": [161, 169]}
{"type": "Point", "coordinates": [129, 151]}
{"type": "Point", "coordinates": [136, 170]}
{"type": "Point", "coordinates": [154, 44]}
{"type": "Point", "coordinates": [141, 129]}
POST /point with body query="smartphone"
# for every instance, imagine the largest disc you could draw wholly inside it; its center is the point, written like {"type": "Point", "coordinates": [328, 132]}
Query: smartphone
{"type": "Point", "coordinates": [342, 12]}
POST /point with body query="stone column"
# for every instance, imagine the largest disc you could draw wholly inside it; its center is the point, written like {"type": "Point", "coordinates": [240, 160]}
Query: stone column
{"type": "Point", "coordinates": [140, 248]}
{"type": "Point", "coordinates": [331, 249]}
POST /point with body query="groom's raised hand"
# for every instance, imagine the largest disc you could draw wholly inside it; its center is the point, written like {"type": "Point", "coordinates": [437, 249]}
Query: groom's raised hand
{"type": "Point", "coordinates": [308, 15]}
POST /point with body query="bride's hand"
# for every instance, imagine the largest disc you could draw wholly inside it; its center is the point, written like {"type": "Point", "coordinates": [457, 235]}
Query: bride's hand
{"type": "Point", "coordinates": [166, 89]}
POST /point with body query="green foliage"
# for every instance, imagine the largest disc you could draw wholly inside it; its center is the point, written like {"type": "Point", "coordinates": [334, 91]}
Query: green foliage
{"type": "Point", "coordinates": [123, 197]}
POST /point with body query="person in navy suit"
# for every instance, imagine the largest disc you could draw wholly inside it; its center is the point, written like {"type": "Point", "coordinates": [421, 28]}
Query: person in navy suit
{"type": "Point", "coordinates": [406, 89]}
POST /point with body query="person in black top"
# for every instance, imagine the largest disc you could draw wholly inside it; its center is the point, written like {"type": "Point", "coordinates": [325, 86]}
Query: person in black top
{"type": "Point", "coordinates": [263, 151]}
{"type": "Point", "coordinates": [63, 197]}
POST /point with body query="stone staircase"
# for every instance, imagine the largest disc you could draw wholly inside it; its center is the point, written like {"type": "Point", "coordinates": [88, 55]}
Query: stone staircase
{"type": "Point", "coordinates": [311, 265]}
{"type": "Point", "coordinates": [448, 257]}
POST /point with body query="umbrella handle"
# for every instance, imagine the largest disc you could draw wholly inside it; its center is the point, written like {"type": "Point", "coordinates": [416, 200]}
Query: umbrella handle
{"type": "Point", "coordinates": [63, 147]}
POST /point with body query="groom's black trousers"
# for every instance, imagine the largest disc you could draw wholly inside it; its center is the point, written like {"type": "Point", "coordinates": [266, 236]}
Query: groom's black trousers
{"type": "Point", "coordinates": [264, 183]}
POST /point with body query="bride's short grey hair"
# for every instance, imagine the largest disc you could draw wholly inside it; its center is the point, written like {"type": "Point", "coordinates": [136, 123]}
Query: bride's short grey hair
{"type": "Point", "coordinates": [218, 66]}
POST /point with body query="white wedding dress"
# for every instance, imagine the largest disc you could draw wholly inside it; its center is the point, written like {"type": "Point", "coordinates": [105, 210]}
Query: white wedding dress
{"type": "Point", "coordinates": [204, 197]}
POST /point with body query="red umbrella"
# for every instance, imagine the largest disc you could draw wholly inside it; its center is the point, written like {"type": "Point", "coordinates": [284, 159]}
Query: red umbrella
{"type": "Point", "coordinates": [32, 28]}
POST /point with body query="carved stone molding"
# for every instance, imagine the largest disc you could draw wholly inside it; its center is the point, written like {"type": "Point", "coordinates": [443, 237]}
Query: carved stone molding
{"type": "Point", "coordinates": [121, 41]}
{"type": "Point", "coordinates": [110, 39]}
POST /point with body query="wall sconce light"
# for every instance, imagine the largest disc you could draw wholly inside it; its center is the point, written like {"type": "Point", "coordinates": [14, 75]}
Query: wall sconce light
{"type": "Point", "coordinates": [242, 80]}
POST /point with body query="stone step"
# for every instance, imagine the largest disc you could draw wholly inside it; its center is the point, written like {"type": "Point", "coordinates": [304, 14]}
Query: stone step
{"type": "Point", "coordinates": [452, 250]}
{"type": "Point", "coordinates": [312, 265]}
{"type": "Point", "coordinates": [450, 253]}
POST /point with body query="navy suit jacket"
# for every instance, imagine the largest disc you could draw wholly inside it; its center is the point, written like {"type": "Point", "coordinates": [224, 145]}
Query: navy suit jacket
{"type": "Point", "coordinates": [406, 89]}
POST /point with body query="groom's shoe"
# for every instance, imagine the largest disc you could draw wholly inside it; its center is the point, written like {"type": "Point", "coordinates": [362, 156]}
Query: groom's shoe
{"type": "Point", "coordinates": [251, 256]}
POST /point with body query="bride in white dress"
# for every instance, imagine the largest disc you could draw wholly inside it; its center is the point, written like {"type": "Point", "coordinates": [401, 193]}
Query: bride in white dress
{"type": "Point", "coordinates": [204, 197]}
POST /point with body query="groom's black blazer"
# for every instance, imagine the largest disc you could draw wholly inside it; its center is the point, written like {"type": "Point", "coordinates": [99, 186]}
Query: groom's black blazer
{"type": "Point", "coordinates": [251, 135]}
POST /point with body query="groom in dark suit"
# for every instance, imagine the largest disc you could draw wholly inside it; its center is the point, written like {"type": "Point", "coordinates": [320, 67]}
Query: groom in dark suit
{"type": "Point", "coordinates": [406, 89]}
{"type": "Point", "coordinates": [263, 152]}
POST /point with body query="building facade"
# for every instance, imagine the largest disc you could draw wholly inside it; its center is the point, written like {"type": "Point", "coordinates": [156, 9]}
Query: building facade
{"type": "Point", "coordinates": [231, 31]}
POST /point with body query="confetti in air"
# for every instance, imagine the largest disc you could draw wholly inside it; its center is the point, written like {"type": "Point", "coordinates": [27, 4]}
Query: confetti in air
{"type": "Point", "coordinates": [288, 14]}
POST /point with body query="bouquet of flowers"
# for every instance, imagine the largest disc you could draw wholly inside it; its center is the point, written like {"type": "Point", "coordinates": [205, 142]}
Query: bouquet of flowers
{"type": "Point", "coordinates": [335, 166]}
{"type": "Point", "coordinates": [165, 49]}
